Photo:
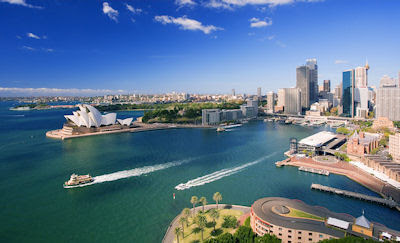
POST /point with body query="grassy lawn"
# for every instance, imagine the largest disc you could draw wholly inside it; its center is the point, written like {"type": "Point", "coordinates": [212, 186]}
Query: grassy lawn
{"type": "Point", "coordinates": [191, 236]}
{"type": "Point", "coordinates": [301, 214]}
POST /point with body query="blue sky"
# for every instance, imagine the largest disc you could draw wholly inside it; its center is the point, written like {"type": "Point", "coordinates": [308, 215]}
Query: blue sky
{"type": "Point", "coordinates": [196, 46]}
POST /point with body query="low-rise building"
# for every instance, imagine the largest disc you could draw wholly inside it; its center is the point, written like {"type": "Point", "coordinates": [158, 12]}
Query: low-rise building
{"type": "Point", "coordinates": [383, 123]}
{"type": "Point", "coordinates": [394, 147]}
{"type": "Point", "coordinates": [362, 143]}
{"type": "Point", "coordinates": [294, 221]}
{"type": "Point", "coordinates": [383, 165]}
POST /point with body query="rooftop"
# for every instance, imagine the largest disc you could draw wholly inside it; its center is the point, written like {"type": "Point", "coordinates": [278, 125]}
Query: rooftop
{"type": "Point", "coordinates": [318, 139]}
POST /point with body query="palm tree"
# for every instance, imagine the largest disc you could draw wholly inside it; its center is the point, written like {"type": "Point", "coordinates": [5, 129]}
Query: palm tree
{"type": "Point", "coordinates": [186, 213]}
{"type": "Point", "coordinates": [177, 232]}
{"type": "Point", "coordinates": [217, 197]}
{"type": "Point", "coordinates": [203, 201]}
{"type": "Point", "coordinates": [201, 222]}
{"type": "Point", "coordinates": [214, 214]}
{"type": "Point", "coordinates": [182, 220]}
{"type": "Point", "coordinates": [194, 201]}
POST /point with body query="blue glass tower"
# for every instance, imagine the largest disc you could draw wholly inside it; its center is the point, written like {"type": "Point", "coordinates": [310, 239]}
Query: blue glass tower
{"type": "Point", "coordinates": [348, 93]}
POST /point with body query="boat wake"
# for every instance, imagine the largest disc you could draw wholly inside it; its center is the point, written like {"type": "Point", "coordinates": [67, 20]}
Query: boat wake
{"type": "Point", "coordinates": [219, 174]}
{"type": "Point", "coordinates": [135, 172]}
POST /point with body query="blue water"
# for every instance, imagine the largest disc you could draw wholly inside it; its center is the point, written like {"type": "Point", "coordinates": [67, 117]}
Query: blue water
{"type": "Point", "coordinates": [36, 208]}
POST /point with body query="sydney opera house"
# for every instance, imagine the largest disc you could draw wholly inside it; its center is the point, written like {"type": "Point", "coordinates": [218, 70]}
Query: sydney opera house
{"type": "Point", "coordinates": [88, 116]}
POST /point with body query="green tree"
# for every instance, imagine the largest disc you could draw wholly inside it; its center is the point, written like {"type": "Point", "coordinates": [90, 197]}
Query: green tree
{"type": "Point", "coordinates": [267, 238]}
{"type": "Point", "coordinates": [186, 213]}
{"type": "Point", "coordinates": [194, 200]}
{"type": "Point", "coordinates": [214, 214]}
{"type": "Point", "coordinates": [245, 234]}
{"type": "Point", "coordinates": [201, 222]}
{"type": "Point", "coordinates": [203, 201]}
{"type": "Point", "coordinates": [226, 238]}
{"type": "Point", "coordinates": [217, 198]}
{"type": "Point", "coordinates": [177, 233]}
{"type": "Point", "coordinates": [343, 130]}
{"type": "Point", "coordinates": [182, 220]}
{"type": "Point", "coordinates": [229, 221]}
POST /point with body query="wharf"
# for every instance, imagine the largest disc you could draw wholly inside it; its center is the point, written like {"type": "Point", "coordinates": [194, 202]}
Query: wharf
{"type": "Point", "coordinates": [282, 163]}
{"type": "Point", "coordinates": [138, 127]}
{"type": "Point", "coordinates": [387, 202]}
{"type": "Point", "coordinates": [315, 171]}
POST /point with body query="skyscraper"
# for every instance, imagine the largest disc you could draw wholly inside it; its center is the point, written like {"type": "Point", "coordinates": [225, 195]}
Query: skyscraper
{"type": "Point", "coordinates": [388, 99]}
{"type": "Point", "coordinates": [348, 93]}
{"type": "Point", "coordinates": [281, 97]}
{"type": "Point", "coordinates": [233, 92]}
{"type": "Point", "coordinates": [361, 77]}
{"type": "Point", "coordinates": [303, 82]}
{"type": "Point", "coordinates": [270, 101]}
{"type": "Point", "coordinates": [259, 92]}
{"type": "Point", "coordinates": [312, 65]}
{"type": "Point", "coordinates": [327, 86]}
{"type": "Point", "coordinates": [292, 101]}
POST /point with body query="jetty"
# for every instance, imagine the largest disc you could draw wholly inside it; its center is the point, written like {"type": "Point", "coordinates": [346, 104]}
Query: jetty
{"type": "Point", "coordinates": [282, 163]}
{"type": "Point", "coordinates": [315, 171]}
{"type": "Point", "coordinates": [387, 202]}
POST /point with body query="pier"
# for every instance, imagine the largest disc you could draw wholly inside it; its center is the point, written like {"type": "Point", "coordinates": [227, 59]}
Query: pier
{"type": "Point", "coordinates": [315, 171]}
{"type": "Point", "coordinates": [383, 201]}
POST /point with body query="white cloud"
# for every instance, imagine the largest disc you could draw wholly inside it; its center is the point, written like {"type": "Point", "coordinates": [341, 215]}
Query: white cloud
{"type": "Point", "coordinates": [133, 10]}
{"type": "Point", "coordinates": [240, 3]}
{"type": "Point", "coordinates": [182, 3]}
{"type": "Point", "coordinates": [28, 48]}
{"type": "Point", "coordinates": [21, 3]}
{"type": "Point", "coordinates": [281, 44]}
{"type": "Point", "coordinates": [32, 35]}
{"type": "Point", "coordinates": [258, 23]}
{"type": "Point", "coordinates": [110, 12]}
{"type": "Point", "coordinates": [55, 91]}
{"type": "Point", "coordinates": [341, 62]}
{"type": "Point", "coordinates": [186, 23]}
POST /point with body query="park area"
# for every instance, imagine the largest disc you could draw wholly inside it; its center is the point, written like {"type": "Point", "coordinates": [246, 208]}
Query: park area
{"type": "Point", "coordinates": [205, 225]}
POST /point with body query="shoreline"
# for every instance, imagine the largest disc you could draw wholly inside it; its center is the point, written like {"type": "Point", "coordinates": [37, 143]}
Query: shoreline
{"type": "Point", "coordinates": [169, 235]}
{"type": "Point", "coordinates": [141, 127]}
{"type": "Point", "coordinates": [352, 172]}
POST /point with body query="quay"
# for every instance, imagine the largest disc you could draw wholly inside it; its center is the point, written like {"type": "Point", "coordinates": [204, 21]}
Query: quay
{"type": "Point", "coordinates": [315, 171]}
{"type": "Point", "coordinates": [66, 133]}
{"type": "Point", "coordinates": [387, 202]}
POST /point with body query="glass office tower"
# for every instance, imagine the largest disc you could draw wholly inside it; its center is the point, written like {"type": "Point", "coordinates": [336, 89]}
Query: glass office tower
{"type": "Point", "coordinates": [348, 93]}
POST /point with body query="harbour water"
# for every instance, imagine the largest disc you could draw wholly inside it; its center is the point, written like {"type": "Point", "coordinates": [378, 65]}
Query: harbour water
{"type": "Point", "coordinates": [139, 172]}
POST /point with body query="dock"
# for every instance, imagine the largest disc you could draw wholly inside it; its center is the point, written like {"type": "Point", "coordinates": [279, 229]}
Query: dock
{"type": "Point", "coordinates": [282, 163]}
{"type": "Point", "coordinates": [315, 171]}
{"type": "Point", "coordinates": [387, 202]}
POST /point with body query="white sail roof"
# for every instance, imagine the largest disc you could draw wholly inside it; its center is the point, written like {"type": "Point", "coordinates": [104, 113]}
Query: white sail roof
{"type": "Point", "coordinates": [88, 116]}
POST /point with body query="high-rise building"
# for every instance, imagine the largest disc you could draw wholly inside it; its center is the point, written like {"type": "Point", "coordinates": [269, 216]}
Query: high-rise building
{"type": "Point", "coordinates": [327, 86]}
{"type": "Point", "coordinates": [361, 102]}
{"type": "Point", "coordinates": [292, 101]}
{"type": "Point", "coordinates": [233, 92]}
{"type": "Point", "coordinates": [361, 77]}
{"type": "Point", "coordinates": [338, 91]}
{"type": "Point", "coordinates": [387, 81]}
{"type": "Point", "coordinates": [270, 102]}
{"type": "Point", "coordinates": [259, 92]}
{"type": "Point", "coordinates": [312, 65]}
{"type": "Point", "coordinates": [388, 103]}
{"type": "Point", "coordinates": [348, 93]}
{"type": "Point", "coordinates": [281, 97]}
{"type": "Point", "coordinates": [303, 82]}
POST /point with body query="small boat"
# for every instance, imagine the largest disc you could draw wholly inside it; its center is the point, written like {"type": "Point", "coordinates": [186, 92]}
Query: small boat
{"type": "Point", "coordinates": [220, 129]}
{"type": "Point", "coordinates": [78, 181]}
{"type": "Point", "coordinates": [232, 126]}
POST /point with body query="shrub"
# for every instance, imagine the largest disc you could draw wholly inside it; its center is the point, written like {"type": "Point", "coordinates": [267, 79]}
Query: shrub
{"type": "Point", "coordinates": [229, 222]}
